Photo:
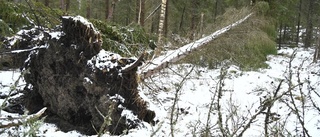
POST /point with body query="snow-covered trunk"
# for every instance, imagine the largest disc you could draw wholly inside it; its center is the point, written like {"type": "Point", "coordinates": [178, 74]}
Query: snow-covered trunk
{"type": "Point", "coordinates": [161, 62]}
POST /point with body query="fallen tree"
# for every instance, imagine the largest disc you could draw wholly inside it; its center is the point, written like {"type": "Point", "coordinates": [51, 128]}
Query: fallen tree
{"type": "Point", "coordinates": [161, 62]}
{"type": "Point", "coordinates": [83, 86]}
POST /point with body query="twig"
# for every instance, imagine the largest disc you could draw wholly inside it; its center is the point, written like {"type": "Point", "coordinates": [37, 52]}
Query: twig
{"type": "Point", "coordinates": [22, 120]}
{"type": "Point", "coordinates": [266, 120]}
{"type": "Point", "coordinates": [219, 90]}
{"type": "Point", "coordinates": [172, 120]}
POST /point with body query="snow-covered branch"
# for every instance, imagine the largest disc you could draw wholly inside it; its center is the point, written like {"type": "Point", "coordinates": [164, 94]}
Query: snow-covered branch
{"type": "Point", "coordinates": [11, 122]}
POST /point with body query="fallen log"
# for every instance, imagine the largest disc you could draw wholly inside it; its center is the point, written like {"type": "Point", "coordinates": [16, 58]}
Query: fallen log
{"type": "Point", "coordinates": [161, 62]}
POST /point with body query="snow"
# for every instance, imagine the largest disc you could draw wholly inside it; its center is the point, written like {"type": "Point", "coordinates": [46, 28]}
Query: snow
{"type": "Point", "coordinates": [242, 94]}
{"type": "Point", "coordinates": [104, 60]}
{"type": "Point", "coordinates": [196, 89]}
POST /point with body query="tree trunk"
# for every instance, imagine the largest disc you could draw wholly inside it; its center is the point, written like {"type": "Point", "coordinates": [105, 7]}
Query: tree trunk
{"type": "Point", "coordinates": [161, 20]}
{"type": "Point", "coordinates": [163, 61]}
{"type": "Point", "coordinates": [88, 15]}
{"type": "Point", "coordinates": [107, 9]}
{"type": "Point", "coordinates": [140, 12]}
{"type": "Point", "coordinates": [166, 20]}
{"type": "Point", "coordinates": [182, 18]}
{"type": "Point", "coordinates": [194, 18]}
{"type": "Point", "coordinates": [67, 5]}
{"type": "Point", "coordinates": [111, 9]}
{"type": "Point", "coordinates": [284, 37]}
{"type": "Point", "coordinates": [309, 29]}
{"type": "Point", "coordinates": [62, 5]}
{"type": "Point", "coordinates": [316, 56]}
{"type": "Point", "coordinates": [280, 36]}
{"type": "Point", "coordinates": [46, 3]}
{"type": "Point", "coordinates": [201, 24]}
{"type": "Point", "coordinates": [299, 22]}
{"type": "Point", "coordinates": [216, 11]}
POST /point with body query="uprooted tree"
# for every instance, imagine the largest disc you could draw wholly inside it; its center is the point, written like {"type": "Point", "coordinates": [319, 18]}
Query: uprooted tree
{"type": "Point", "coordinates": [85, 87]}
{"type": "Point", "coordinates": [82, 85]}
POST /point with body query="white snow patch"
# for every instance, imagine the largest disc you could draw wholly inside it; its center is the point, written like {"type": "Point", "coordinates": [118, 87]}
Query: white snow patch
{"type": "Point", "coordinates": [119, 97]}
{"type": "Point", "coordinates": [104, 60]}
{"type": "Point", "coordinates": [86, 79]}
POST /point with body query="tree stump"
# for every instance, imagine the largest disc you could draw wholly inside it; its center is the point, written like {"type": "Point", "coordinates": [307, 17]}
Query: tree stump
{"type": "Point", "coordinates": [81, 83]}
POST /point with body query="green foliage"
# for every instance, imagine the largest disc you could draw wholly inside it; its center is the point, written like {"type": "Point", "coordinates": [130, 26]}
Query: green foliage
{"type": "Point", "coordinates": [4, 28]}
{"type": "Point", "coordinates": [262, 7]}
{"type": "Point", "coordinates": [124, 40]}
{"type": "Point", "coordinates": [246, 45]}
{"type": "Point", "coordinates": [12, 17]}
{"type": "Point", "coordinates": [15, 16]}
{"type": "Point", "coordinates": [33, 126]}
{"type": "Point", "coordinates": [257, 47]}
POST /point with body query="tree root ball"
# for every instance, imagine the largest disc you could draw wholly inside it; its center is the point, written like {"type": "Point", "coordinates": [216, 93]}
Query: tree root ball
{"type": "Point", "coordinates": [82, 85]}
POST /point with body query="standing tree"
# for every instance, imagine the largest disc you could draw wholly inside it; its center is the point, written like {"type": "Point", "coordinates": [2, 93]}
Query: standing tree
{"type": "Point", "coordinates": [140, 12]}
{"type": "Point", "coordinates": [161, 20]}
{"type": "Point", "coordinates": [46, 3]}
{"type": "Point", "coordinates": [111, 9]}
{"type": "Point", "coordinates": [88, 14]}
{"type": "Point", "coordinates": [194, 18]}
{"type": "Point", "coordinates": [62, 5]}
{"type": "Point", "coordinates": [166, 19]}
{"type": "Point", "coordinates": [67, 5]}
{"type": "Point", "coordinates": [309, 29]}
{"type": "Point", "coordinates": [299, 22]}
{"type": "Point", "coordinates": [107, 9]}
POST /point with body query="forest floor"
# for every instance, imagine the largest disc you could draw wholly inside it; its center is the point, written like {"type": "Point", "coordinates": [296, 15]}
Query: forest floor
{"type": "Point", "coordinates": [282, 99]}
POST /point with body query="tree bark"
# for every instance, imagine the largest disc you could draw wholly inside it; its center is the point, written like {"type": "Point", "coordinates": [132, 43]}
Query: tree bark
{"type": "Point", "coordinates": [161, 20]}
{"type": "Point", "coordinates": [316, 55]}
{"type": "Point", "coordinates": [107, 9]}
{"type": "Point", "coordinates": [166, 20]}
{"type": "Point", "coordinates": [67, 5]}
{"type": "Point", "coordinates": [299, 22]}
{"type": "Point", "coordinates": [309, 29]}
{"type": "Point", "coordinates": [140, 12]}
{"type": "Point", "coordinates": [46, 3]}
{"type": "Point", "coordinates": [280, 36]}
{"type": "Point", "coordinates": [194, 18]}
{"type": "Point", "coordinates": [88, 14]}
{"type": "Point", "coordinates": [111, 10]}
{"type": "Point", "coordinates": [182, 18]}
{"type": "Point", "coordinates": [62, 5]}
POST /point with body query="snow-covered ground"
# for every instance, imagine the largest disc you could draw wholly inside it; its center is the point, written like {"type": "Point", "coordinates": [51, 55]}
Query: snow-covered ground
{"type": "Point", "coordinates": [193, 92]}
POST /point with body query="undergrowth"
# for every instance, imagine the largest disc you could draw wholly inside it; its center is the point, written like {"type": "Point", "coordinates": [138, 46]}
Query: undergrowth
{"type": "Point", "coordinates": [246, 45]}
